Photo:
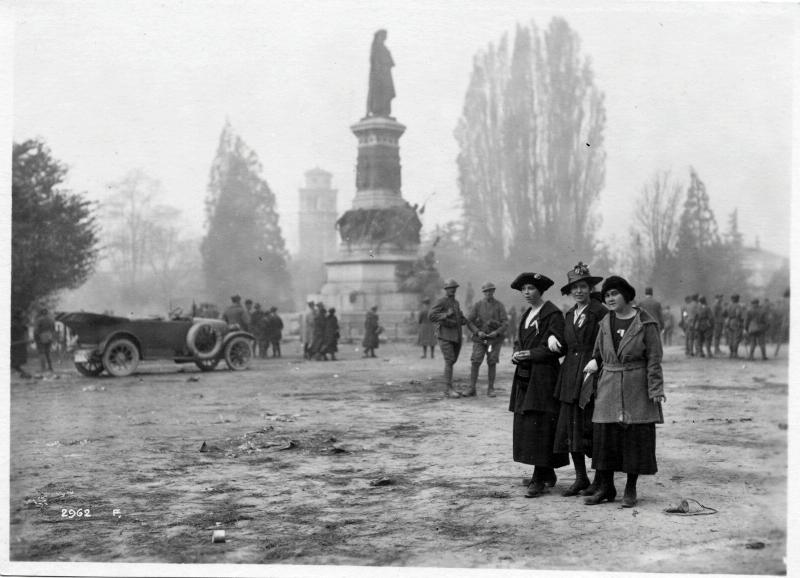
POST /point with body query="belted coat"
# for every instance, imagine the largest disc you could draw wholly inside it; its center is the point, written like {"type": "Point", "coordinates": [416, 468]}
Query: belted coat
{"type": "Point", "coordinates": [579, 339]}
{"type": "Point", "coordinates": [631, 377]}
{"type": "Point", "coordinates": [535, 379]}
{"type": "Point", "coordinates": [448, 318]}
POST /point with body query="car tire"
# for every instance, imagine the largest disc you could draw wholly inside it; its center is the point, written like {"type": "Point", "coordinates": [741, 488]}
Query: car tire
{"type": "Point", "coordinates": [238, 353]}
{"type": "Point", "coordinates": [207, 364]}
{"type": "Point", "coordinates": [121, 357]}
{"type": "Point", "coordinates": [90, 368]}
{"type": "Point", "coordinates": [204, 340]}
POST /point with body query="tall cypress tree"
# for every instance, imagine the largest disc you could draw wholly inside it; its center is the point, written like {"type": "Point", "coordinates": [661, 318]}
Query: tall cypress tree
{"type": "Point", "coordinates": [244, 250]}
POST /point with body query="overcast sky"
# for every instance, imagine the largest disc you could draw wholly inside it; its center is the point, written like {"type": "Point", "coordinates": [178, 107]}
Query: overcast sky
{"type": "Point", "coordinates": [113, 86]}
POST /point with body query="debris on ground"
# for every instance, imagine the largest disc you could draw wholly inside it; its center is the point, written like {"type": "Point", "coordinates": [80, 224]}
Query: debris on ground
{"type": "Point", "coordinates": [382, 482]}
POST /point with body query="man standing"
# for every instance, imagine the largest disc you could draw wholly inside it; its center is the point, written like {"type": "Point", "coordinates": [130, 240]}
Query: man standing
{"type": "Point", "coordinates": [756, 326]}
{"type": "Point", "coordinates": [447, 316]}
{"type": "Point", "coordinates": [704, 327]}
{"type": "Point", "coordinates": [308, 326]}
{"type": "Point", "coordinates": [488, 322]}
{"type": "Point", "coordinates": [274, 331]}
{"type": "Point", "coordinates": [719, 312]}
{"type": "Point", "coordinates": [372, 331]}
{"type": "Point", "coordinates": [235, 314]}
{"type": "Point", "coordinates": [44, 332]}
{"type": "Point", "coordinates": [690, 320]}
{"type": "Point", "coordinates": [735, 326]}
{"type": "Point", "coordinates": [258, 329]}
{"type": "Point", "coordinates": [653, 307]}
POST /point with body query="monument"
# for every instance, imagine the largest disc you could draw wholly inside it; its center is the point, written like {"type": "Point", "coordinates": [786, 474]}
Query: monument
{"type": "Point", "coordinates": [379, 235]}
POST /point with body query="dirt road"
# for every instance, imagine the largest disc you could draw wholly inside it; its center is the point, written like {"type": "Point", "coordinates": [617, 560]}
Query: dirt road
{"type": "Point", "coordinates": [362, 462]}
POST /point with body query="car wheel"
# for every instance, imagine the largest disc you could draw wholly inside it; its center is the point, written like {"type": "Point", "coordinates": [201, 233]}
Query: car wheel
{"type": "Point", "coordinates": [204, 341]}
{"type": "Point", "coordinates": [238, 353]}
{"type": "Point", "coordinates": [121, 357]}
{"type": "Point", "coordinates": [207, 364]}
{"type": "Point", "coordinates": [90, 368]}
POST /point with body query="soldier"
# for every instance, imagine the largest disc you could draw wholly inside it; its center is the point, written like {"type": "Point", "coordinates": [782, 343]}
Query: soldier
{"type": "Point", "coordinates": [704, 327]}
{"type": "Point", "coordinates": [756, 325]}
{"type": "Point", "coordinates": [653, 307]}
{"type": "Point", "coordinates": [372, 330]}
{"type": "Point", "coordinates": [258, 328]}
{"type": "Point", "coordinates": [488, 322]}
{"type": "Point", "coordinates": [331, 345]}
{"type": "Point", "coordinates": [274, 331]}
{"type": "Point", "coordinates": [669, 326]}
{"type": "Point", "coordinates": [235, 314]}
{"type": "Point", "coordinates": [690, 323]}
{"type": "Point", "coordinates": [318, 339]}
{"type": "Point", "coordinates": [734, 325]}
{"type": "Point", "coordinates": [719, 312]}
{"type": "Point", "coordinates": [308, 330]}
{"type": "Point", "coordinates": [448, 319]}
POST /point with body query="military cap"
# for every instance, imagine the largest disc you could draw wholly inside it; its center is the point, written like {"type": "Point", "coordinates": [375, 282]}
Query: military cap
{"type": "Point", "coordinates": [488, 286]}
{"type": "Point", "coordinates": [450, 283]}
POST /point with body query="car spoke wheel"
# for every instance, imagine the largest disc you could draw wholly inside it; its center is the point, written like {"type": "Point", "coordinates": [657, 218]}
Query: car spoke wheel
{"type": "Point", "coordinates": [91, 368]}
{"type": "Point", "coordinates": [238, 353]}
{"type": "Point", "coordinates": [121, 357]}
{"type": "Point", "coordinates": [207, 364]}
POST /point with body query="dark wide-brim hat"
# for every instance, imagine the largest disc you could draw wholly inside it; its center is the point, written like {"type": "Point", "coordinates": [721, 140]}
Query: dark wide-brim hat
{"type": "Point", "coordinates": [541, 282]}
{"type": "Point", "coordinates": [579, 273]}
{"type": "Point", "coordinates": [621, 285]}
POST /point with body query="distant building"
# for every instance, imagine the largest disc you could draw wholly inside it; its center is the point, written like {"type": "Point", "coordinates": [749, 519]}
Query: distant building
{"type": "Point", "coordinates": [318, 238]}
{"type": "Point", "coordinates": [317, 222]}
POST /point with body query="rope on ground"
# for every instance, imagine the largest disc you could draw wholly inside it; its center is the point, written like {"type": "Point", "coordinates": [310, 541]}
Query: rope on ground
{"type": "Point", "coordinates": [686, 509]}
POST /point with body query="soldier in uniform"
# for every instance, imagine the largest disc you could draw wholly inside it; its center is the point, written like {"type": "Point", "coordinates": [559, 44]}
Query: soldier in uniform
{"type": "Point", "coordinates": [447, 316]}
{"type": "Point", "coordinates": [274, 331]}
{"type": "Point", "coordinates": [331, 335]}
{"type": "Point", "coordinates": [756, 325]}
{"type": "Point", "coordinates": [372, 330]}
{"type": "Point", "coordinates": [653, 307]}
{"type": "Point", "coordinates": [734, 326]}
{"type": "Point", "coordinates": [308, 330]}
{"type": "Point", "coordinates": [318, 336]}
{"type": "Point", "coordinates": [669, 326]}
{"type": "Point", "coordinates": [258, 328]}
{"type": "Point", "coordinates": [704, 328]}
{"type": "Point", "coordinates": [719, 312]}
{"type": "Point", "coordinates": [488, 322]}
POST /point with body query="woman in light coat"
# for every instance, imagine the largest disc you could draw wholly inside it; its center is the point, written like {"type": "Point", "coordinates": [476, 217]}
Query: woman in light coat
{"type": "Point", "coordinates": [630, 391]}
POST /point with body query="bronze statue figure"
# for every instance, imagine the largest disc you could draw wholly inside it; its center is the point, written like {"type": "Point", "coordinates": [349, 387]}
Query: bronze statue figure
{"type": "Point", "coordinates": [381, 87]}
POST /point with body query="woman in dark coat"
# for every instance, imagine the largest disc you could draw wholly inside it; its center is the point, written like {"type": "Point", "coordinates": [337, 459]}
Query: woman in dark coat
{"type": "Point", "coordinates": [630, 391]}
{"type": "Point", "coordinates": [535, 409]}
{"type": "Point", "coordinates": [582, 323]}
{"type": "Point", "coordinates": [331, 341]}
{"type": "Point", "coordinates": [371, 331]}
{"type": "Point", "coordinates": [427, 334]}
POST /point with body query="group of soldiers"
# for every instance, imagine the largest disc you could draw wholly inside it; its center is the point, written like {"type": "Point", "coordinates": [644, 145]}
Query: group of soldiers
{"type": "Point", "coordinates": [320, 332]}
{"type": "Point", "coordinates": [705, 326]}
{"type": "Point", "coordinates": [265, 325]}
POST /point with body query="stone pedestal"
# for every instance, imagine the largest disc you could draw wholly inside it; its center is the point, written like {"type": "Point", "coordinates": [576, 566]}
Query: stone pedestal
{"type": "Point", "coordinates": [377, 236]}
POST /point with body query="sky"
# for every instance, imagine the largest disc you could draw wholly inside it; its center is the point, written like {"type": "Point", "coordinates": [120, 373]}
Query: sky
{"type": "Point", "coordinates": [112, 86]}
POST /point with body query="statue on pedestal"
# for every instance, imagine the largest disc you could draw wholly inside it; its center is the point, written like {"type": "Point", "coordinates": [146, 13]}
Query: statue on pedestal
{"type": "Point", "coordinates": [381, 86]}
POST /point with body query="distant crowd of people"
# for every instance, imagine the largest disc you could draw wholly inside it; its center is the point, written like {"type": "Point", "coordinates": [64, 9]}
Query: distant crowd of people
{"type": "Point", "coordinates": [265, 325]}
{"type": "Point", "coordinates": [320, 332]}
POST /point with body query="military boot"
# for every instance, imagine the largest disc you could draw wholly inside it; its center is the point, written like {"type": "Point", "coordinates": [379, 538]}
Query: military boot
{"type": "Point", "coordinates": [473, 379]}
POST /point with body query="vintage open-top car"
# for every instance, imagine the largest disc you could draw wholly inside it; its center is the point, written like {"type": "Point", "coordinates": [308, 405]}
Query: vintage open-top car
{"type": "Point", "coordinates": [117, 344]}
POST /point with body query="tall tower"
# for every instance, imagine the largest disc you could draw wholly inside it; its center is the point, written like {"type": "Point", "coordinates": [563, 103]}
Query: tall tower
{"type": "Point", "coordinates": [317, 219]}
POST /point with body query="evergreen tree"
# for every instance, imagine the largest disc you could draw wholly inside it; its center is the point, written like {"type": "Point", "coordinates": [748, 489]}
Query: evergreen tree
{"type": "Point", "coordinates": [53, 231]}
{"type": "Point", "coordinates": [698, 240]}
{"type": "Point", "coordinates": [243, 251]}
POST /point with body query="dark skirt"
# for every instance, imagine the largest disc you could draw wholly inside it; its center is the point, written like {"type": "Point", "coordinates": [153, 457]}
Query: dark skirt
{"type": "Point", "coordinates": [629, 448]}
{"type": "Point", "coordinates": [574, 430]}
{"type": "Point", "coordinates": [534, 434]}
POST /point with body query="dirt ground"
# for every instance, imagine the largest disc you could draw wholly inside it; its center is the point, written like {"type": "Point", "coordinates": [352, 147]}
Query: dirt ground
{"type": "Point", "coordinates": [362, 462]}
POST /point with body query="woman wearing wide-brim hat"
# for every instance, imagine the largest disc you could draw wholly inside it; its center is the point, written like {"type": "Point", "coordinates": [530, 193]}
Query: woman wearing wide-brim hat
{"type": "Point", "coordinates": [630, 391]}
{"type": "Point", "coordinates": [535, 409]}
{"type": "Point", "coordinates": [576, 394]}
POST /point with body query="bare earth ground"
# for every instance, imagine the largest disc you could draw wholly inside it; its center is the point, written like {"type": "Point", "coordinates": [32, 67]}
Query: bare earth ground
{"type": "Point", "coordinates": [362, 462]}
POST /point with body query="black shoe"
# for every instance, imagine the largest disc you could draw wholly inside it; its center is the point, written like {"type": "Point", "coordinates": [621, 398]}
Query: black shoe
{"type": "Point", "coordinates": [629, 499]}
{"type": "Point", "coordinates": [536, 489]}
{"type": "Point", "coordinates": [605, 493]}
{"type": "Point", "coordinates": [576, 487]}
{"type": "Point", "coordinates": [588, 490]}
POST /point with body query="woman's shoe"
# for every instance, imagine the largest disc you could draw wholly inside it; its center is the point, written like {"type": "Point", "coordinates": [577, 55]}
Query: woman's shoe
{"type": "Point", "coordinates": [629, 499]}
{"type": "Point", "coordinates": [536, 489]}
{"type": "Point", "coordinates": [588, 490]}
{"type": "Point", "coordinates": [607, 493]}
{"type": "Point", "coordinates": [576, 487]}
